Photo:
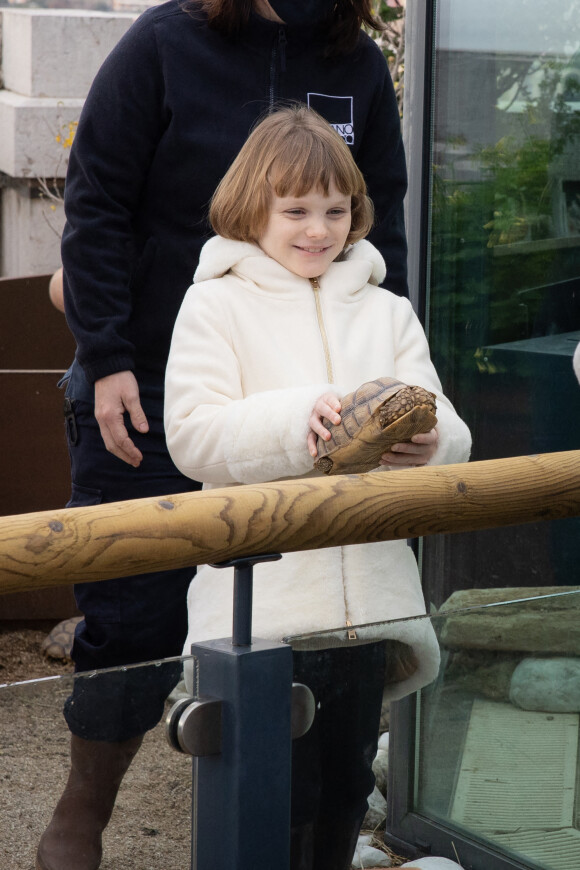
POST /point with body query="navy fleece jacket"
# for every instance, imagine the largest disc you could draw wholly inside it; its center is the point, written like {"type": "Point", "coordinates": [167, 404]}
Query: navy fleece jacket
{"type": "Point", "coordinates": [167, 113]}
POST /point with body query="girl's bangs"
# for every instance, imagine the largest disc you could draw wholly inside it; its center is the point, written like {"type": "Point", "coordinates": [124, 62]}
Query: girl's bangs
{"type": "Point", "coordinates": [296, 171]}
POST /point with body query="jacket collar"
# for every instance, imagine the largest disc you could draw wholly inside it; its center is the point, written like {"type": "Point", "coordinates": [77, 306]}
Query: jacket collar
{"type": "Point", "coordinates": [261, 34]}
{"type": "Point", "coordinates": [345, 279]}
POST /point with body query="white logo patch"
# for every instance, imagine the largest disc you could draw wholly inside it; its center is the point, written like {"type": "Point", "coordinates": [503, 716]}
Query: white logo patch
{"type": "Point", "coordinates": [338, 111]}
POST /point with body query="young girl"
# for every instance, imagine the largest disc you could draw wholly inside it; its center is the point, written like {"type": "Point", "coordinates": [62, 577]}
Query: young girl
{"type": "Point", "coordinates": [284, 318]}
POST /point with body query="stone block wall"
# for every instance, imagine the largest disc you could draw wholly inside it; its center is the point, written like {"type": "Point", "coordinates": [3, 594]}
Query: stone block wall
{"type": "Point", "coordinates": [49, 59]}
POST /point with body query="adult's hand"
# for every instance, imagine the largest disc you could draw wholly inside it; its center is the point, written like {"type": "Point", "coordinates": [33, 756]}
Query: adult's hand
{"type": "Point", "coordinates": [114, 395]}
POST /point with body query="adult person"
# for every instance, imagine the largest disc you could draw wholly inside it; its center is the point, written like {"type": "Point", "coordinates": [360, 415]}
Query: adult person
{"type": "Point", "coordinates": [166, 115]}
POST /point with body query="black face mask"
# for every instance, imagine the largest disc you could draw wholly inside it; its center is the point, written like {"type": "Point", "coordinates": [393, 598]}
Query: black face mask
{"type": "Point", "coordinates": [302, 11]}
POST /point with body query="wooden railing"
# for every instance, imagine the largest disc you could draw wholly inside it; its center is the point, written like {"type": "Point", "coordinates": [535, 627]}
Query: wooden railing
{"type": "Point", "coordinates": [52, 548]}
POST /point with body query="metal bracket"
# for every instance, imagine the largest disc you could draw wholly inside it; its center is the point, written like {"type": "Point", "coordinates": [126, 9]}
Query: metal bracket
{"type": "Point", "coordinates": [195, 727]}
{"type": "Point", "coordinates": [303, 708]}
{"type": "Point", "coordinates": [243, 594]}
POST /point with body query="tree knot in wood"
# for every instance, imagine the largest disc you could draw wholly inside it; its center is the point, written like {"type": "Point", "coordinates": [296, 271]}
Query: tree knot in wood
{"type": "Point", "coordinates": [37, 544]}
{"type": "Point", "coordinates": [166, 505]}
{"type": "Point", "coordinates": [462, 487]}
{"type": "Point", "coordinates": [56, 526]}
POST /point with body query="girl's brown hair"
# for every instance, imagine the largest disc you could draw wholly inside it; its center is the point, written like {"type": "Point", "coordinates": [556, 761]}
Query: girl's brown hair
{"type": "Point", "coordinates": [342, 31]}
{"type": "Point", "coordinates": [290, 152]}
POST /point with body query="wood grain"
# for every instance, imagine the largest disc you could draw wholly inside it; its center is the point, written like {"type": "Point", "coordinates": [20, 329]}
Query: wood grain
{"type": "Point", "coordinates": [52, 548]}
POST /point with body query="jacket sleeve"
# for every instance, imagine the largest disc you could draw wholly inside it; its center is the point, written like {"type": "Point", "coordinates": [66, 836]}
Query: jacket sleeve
{"type": "Point", "coordinates": [381, 159]}
{"type": "Point", "coordinates": [120, 125]}
{"type": "Point", "coordinates": [214, 433]}
{"type": "Point", "coordinates": [413, 365]}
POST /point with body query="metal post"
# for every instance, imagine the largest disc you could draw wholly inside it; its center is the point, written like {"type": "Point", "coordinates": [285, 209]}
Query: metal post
{"type": "Point", "coordinates": [243, 594]}
{"type": "Point", "coordinates": [239, 727]}
{"type": "Point", "coordinates": [241, 796]}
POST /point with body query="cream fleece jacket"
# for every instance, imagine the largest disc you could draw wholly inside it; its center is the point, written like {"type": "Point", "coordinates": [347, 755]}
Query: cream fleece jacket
{"type": "Point", "coordinates": [246, 364]}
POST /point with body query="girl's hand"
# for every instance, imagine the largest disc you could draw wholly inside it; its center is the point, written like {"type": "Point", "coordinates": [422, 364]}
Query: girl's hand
{"type": "Point", "coordinates": [418, 451]}
{"type": "Point", "coordinates": [327, 405]}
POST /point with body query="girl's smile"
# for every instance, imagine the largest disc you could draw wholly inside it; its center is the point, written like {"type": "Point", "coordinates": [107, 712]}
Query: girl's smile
{"type": "Point", "coordinates": [306, 233]}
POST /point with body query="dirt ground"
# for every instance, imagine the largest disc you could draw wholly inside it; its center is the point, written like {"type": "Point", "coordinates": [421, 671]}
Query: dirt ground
{"type": "Point", "coordinates": [151, 824]}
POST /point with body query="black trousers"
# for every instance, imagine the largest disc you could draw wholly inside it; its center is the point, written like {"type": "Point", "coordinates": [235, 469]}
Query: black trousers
{"type": "Point", "coordinates": [142, 618]}
{"type": "Point", "coordinates": [332, 763]}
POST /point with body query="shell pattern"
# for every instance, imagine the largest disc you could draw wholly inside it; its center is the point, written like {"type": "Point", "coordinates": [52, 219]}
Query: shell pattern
{"type": "Point", "coordinates": [368, 424]}
{"type": "Point", "coordinates": [58, 644]}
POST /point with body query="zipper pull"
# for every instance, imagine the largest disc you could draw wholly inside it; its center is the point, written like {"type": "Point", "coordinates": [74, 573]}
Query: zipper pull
{"type": "Point", "coordinates": [351, 634]}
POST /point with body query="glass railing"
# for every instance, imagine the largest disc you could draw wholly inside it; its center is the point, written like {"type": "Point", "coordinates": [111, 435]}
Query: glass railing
{"type": "Point", "coordinates": [496, 755]}
{"type": "Point", "coordinates": [151, 823]}
{"type": "Point", "coordinates": [498, 747]}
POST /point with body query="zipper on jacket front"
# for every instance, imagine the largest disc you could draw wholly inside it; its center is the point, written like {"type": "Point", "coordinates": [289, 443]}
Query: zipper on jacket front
{"type": "Point", "coordinates": [315, 284]}
{"type": "Point", "coordinates": [277, 62]}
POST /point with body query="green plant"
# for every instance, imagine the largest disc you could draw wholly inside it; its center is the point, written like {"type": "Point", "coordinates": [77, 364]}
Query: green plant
{"type": "Point", "coordinates": [495, 251]}
{"type": "Point", "coordinates": [391, 41]}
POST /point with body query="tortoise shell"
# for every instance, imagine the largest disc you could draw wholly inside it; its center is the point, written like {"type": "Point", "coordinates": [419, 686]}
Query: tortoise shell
{"type": "Point", "coordinates": [375, 416]}
{"type": "Point", "coordinates": [58, 644]}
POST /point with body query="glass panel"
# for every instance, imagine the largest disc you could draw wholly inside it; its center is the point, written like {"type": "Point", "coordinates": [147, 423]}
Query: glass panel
{"type": "Point", "coordinates": [499, 728]}
{"type": "Point", "coordinates": [503, 309]}
{"type": "Point", "coordinates": [504, 295]}
{"type": "Point", "coordinates": [151, 822]}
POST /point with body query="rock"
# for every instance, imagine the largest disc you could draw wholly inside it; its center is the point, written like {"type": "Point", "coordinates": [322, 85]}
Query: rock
{"type": "Point", "coordinates": [384, 741]}
{"type": "Point", "coordinates": [548, 685]}
{"type": "Point", "coordinates": [482, 672]}
{"type": "Point", "coordinates": [380, 766]}
{"type": "Point", "coordinates": [385, 715]}
{"type": "Point", "coordinates": [381, 763]}
{"type": "Point", "coordinates": [367, 856]}
{"type": "Point", "coordinates": [377, 811]}
{"type": "Point", "coordinates": [431, 863]}
{"type": "Point", "coordinates": [548, 625]}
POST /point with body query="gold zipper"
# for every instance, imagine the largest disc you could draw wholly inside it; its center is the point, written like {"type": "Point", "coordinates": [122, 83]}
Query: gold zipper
{"type": "Point", "coordinates": [351, 634]}
{"type": "Point", "coordinates": [316, 290]}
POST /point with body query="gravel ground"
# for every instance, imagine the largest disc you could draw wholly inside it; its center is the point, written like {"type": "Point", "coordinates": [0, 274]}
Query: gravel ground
{"type": "Point", "coordinates": [151, 824]}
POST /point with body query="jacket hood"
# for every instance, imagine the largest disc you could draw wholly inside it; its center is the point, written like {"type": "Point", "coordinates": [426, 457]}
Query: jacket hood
{"type": "Point", "coordinates": [219, 256]}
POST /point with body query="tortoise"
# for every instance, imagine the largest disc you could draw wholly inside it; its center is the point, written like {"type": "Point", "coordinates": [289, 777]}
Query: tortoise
{"type": "Point", "coordinates": [58, 644]}
{"type": "Point", "coordinates": [374, 417]}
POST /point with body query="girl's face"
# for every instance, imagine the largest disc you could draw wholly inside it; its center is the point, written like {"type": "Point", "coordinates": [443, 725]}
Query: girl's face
{"type": "Point", "coordinates": [306, 233]}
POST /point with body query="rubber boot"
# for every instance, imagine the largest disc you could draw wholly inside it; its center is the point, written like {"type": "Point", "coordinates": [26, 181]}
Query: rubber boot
{"type": "Point", "coordinates": [73, 839]}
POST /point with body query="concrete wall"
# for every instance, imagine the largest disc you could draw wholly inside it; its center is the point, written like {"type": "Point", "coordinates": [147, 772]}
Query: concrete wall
{"type": "Point", "coordinates": [49, 59]}
{"type": "Point", "coordinates": [31, 230]}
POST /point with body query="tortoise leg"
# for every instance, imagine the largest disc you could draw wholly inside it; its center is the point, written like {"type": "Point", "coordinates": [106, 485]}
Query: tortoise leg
{"type": "Point", "coordinates": [72, 840]}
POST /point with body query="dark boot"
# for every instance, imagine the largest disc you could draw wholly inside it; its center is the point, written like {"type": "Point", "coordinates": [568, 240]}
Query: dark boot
{"type": "Point", "coordinates": [72, 840]}
{"type": "Point", "coordinates": [335, 844]}
{"type": "Point", "coordinates": [302, 847]}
